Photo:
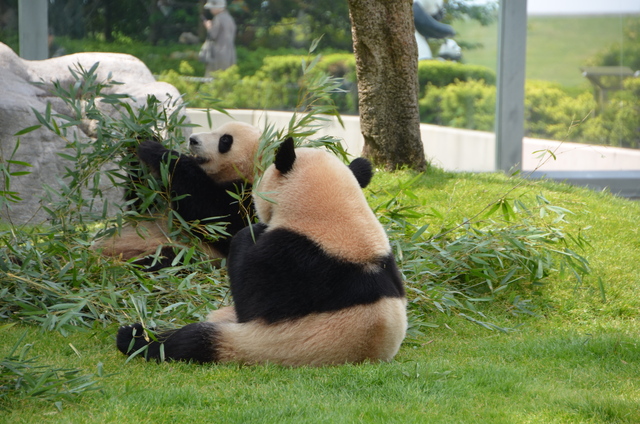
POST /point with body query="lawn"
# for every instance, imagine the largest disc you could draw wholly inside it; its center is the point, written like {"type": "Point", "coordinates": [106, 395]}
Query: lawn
{"type": "Point", "coordinates": [576, 361]}
{"type": "Point", "coordinates": [557, 46]}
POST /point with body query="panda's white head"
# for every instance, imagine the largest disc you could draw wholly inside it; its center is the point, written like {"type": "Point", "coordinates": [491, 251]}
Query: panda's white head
{"type": "Point", "coordinates": [227, 153]}
{"type": "Point", "coordinates": [311, 192]}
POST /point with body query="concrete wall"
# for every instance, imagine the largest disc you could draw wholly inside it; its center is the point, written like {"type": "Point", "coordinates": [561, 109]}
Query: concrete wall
{"type": "Point", "coordinates": [454, 149]}
{"type": "Point", "coordinates": [578, 156]}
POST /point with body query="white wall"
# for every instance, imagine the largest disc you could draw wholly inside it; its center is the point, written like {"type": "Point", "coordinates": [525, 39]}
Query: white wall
{"type": "Point", "coordinates": [578, 156]}
{"type": "Point", "coordinates": [454, 149]}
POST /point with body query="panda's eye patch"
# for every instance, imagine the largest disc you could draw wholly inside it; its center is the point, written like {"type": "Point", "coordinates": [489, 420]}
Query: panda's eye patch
{"type": "Point", "coordinates": [224, 144]}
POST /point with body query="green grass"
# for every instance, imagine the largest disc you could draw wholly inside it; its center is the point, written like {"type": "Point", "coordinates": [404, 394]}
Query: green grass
{"type": "Point", "coordinates": [557, 46]}
{"type": "Point", "coordinates": [578, 361]}
{"type": "Point", "coordinates": [460, 374]}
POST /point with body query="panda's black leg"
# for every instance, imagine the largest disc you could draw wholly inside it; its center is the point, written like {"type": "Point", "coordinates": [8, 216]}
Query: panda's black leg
{"type": "Point", "coordinates": [193, 342]}
{"type": "Point", "coordinates": [132, 338]}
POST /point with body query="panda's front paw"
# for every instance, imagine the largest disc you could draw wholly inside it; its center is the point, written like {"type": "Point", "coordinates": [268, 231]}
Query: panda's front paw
{"type": "Point", "coordinates": [150, 152]}
{"type": "Point", "coordinates": [150, 145]}
{"type": "Point", "coordinates": [130, 338]}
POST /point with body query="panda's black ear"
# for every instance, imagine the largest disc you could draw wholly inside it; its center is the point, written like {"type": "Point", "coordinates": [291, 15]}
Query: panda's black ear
{"type": "Point", "coordinates": [285, 156]}
{"type": "Point", "coordinates": [363, 171]}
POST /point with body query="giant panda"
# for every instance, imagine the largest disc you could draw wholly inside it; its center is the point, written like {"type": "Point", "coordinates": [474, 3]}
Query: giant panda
{"type": "Point", "coordinates": [314, 283]}
{"type": "Point", "coordinates": [222, 162]}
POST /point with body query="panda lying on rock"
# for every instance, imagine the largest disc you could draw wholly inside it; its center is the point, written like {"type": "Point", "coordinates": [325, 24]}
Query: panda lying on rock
{"type": "Point", "coordinates": [221, 163]}
{"type": "Point", "coordinates": [314, 283]}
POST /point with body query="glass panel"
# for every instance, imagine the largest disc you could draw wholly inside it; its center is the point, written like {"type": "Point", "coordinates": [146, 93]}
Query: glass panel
{"type": "Point", "coordinates": [458, 90]}
{"type": "Point", "coordinates": [582, 88]}
{"type": "Point", "coordinates": [582, 59]}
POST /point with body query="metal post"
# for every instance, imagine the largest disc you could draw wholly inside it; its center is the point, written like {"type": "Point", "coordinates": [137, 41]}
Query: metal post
{"type": "Point", "coordinates": [512, 47]}
{"type": "Point", "coordinates": [33, 27]}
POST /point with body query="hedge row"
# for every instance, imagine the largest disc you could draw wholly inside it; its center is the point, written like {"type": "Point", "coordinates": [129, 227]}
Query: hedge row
{"type": "Point", "coordinates": [550, 113]}
{"type": "Point", "coordinates": [451, 94]}
{"type": "Point", "coordinates": [276, 84]}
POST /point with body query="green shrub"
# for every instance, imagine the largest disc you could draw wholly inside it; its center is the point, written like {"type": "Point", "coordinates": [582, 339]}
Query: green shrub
{"type": "Point", "coordinates": [468, 105]}
{"type": "Point", "coordinates": [255, 91]}
{"type": "Point", "coordinates": [625, 53]}
{"type": "Point", "coordinates": [342, 65]}
{"type": "Point", "coordinates": [249, 61]}
{"type": "Point", "coordinates": [619, 123]}
{"type": "Point", "coordinates": [159, 59]}
{"type": "Point", "coordinates": [276, 85]}
{"type": "Point", "coordinates": [550, 113]}
{"type": "Point", "coordinates": [188, 89]}
{"type": "Point", "coordinates": [442, 73]}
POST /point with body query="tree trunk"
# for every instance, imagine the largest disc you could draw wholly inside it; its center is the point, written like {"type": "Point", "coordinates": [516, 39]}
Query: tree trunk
{"type": "Point", "coordinates": [108, 22]}
{"type": "Point", "coordinates": [387, 68]}
{"type": "Point", "coordinates": [155, 22]}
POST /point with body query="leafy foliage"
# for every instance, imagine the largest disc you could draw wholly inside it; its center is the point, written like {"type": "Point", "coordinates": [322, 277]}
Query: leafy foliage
{"type": "Point", "coordinates": [550, 112]}
{"type": "Point", "coordinates": [468, 105]}
{"type": "Point", "coordinates": [23, 376]}
{"type": "Point", "coordinates": [276, 83]}
{"type": "Point", "coordinates": [6, 195]}
{"type": "Point", "coordinates": [106, 160]}
{"type": "Point", "coordinates": [502, 256]}
{"type": "Point", "coordinates": [624, 53]}
{"type": "Point", "coordinates": [618, 123]}
{"type": "Point", "coordinates": [462, 9]}
{"type": "Point", "coordinates": [290, 22]}
{"type": "Point", "coordinates": [442, 73]}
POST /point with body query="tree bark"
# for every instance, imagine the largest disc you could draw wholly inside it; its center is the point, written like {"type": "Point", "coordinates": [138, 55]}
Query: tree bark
{"type": "Point", "coordinates": [387, 68]}
{"type": "Point", "coordinates": [155, 22]}
{"type": "Point", "coordinates": [108, 22]}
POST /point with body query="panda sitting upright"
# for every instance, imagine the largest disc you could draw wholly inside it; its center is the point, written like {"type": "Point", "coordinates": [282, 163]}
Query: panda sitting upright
{"type": "Point", "coordinates": [222, 163]}
{"type": "Point", "coordinates": [315, 283]}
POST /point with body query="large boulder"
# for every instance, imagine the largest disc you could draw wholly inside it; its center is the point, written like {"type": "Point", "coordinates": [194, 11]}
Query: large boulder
{"type": "Point", "coordinates": [39, 148]}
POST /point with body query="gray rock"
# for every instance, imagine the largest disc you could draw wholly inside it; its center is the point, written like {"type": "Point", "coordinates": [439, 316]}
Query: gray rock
{"type": "Point", "coordinates": [40, 147]}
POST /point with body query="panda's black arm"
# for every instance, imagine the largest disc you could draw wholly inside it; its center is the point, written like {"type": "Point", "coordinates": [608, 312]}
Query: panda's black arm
{"type": "Point", "coordinates": [195, 195]}
{"type": "Point", "coordinates": [244, 241]}
{"type": "Point", "coordinates": [187, 176]}
{"type": "Point", "coordinates": [198, 193]}
{"type": "Point", "coordinates": [153, 154]}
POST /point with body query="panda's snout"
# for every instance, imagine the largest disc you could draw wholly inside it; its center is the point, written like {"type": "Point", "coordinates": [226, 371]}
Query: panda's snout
{"type": "Point", "coordinates": [193, 141]}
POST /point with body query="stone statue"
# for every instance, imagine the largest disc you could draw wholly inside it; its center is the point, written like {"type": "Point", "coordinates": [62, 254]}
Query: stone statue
{"type": "Point", "coordinates": [426, 16]}
{"type": "Point", "coordinates": [40, 148]}
{"type": "Point", "coordinates": [219, 49]}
